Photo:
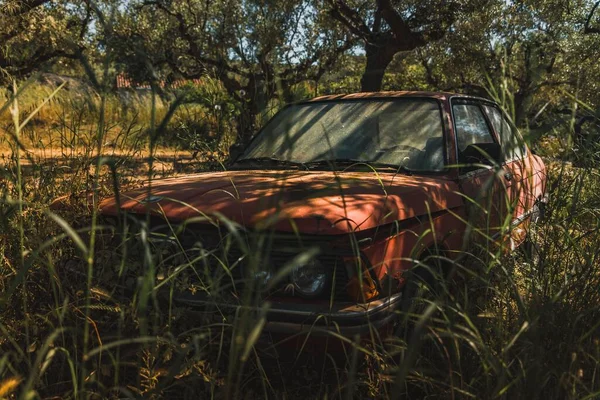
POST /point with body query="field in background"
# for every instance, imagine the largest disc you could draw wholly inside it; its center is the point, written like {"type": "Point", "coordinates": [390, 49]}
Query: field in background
{"type": "Point", "coordinates": [507, 327]}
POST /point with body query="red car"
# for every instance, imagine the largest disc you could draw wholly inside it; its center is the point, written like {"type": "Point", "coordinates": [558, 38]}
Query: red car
{"type": "Point", "coordinates": [317, 219]}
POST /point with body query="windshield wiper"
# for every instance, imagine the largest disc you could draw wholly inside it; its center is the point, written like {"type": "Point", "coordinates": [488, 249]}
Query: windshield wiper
{"type": "Point", "coordinates": [349, 162]}
{"type": "Point", "coordinates": [272, 160]}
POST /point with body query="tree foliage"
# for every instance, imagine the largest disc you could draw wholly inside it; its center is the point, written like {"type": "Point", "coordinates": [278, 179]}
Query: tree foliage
{"type": "Point", "coordinates": [35, 32]}
{"type": "Point", "coordinates": [258, 49]}
{"type": "Point", "coordinates": [388, 27]}
{"type": "Point", "coordinates": [262, 52]}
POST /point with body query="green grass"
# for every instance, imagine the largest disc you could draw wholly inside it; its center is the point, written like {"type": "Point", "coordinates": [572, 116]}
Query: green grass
{"type": "Point", "coordinates": [85, 308]}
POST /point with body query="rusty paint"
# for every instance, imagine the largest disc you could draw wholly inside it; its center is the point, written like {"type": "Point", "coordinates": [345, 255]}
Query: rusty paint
{"type": "Point", "coordinates": [396, 217]}
{"type": "Point", "coordinates": [319, 202]}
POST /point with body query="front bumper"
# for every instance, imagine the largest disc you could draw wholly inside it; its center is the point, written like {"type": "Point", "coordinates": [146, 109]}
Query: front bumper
{"type": "Point", "coordinates": [292, 318]}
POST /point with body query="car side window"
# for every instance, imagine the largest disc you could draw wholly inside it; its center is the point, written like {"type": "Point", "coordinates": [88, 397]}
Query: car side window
{"type": "Point", "coordinates": [511, 142]}
{"type": "Point", "coordinates": [470, 126]}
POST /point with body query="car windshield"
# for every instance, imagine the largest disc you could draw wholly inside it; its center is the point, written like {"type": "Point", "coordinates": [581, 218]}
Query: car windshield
{"type": "Point", "coordinates": [401, 132]}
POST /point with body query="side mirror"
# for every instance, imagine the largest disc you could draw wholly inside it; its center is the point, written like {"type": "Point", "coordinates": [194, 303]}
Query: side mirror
{"type": "Point", "coordinates": [235, 150]}
{"type": "Point", "coordinates": [479, 153]}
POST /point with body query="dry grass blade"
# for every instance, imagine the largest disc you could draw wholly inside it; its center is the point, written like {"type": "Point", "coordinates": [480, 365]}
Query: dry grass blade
{"type": "Point", "coordinates": [9, 385]}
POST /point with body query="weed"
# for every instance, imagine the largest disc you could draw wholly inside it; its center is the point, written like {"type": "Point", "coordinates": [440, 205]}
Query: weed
{"type": "Point", "coordinates": [87, 304]}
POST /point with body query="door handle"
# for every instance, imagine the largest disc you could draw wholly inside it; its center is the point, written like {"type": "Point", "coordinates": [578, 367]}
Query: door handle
{"type": "Point", "coordinates": [508, 176]}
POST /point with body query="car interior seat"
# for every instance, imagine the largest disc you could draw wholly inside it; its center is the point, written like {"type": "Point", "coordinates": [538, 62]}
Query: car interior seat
{"type": "Point", "coordinates": [431, 157]}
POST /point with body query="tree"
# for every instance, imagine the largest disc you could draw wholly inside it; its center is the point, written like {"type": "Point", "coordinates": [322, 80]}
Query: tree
{"type": "Point", "coordinates": [387, 28]}
{"type": "Point", "coordinates": [535, 51]}
{"type": "Point", "coordinates": [34, 33]}
{"type": "Point", "coordinates": [589, 28]}
{"type": "Point", "coordinates": [258, 49]}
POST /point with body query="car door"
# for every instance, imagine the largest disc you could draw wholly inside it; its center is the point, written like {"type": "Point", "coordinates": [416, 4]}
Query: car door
{"type": "Point", "coordinates": [516, 163]}
{"type": "Point", "coordinates": [484, 187]}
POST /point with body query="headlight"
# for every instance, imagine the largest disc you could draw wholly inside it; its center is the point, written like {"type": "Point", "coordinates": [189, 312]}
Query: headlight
{"type": "Point", "coordinates": [310, 279]}
{"type": "Point", "coordinates": [263, 277]}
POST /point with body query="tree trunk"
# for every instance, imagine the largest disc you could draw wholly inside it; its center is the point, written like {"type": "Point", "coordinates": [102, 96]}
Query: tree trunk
{"type": "Point", "coordinates": [253, 104]}
{"type": "Point", "coordinates": [523, 101]}
{"type": "Point", "coordinates": [520, 103]}
{"type": "Point", "coordinates": [247, 122]}
{"type": "Point", "coordinates": [248, 107]}
{"type": "Point", "coordinates": [379, 56]}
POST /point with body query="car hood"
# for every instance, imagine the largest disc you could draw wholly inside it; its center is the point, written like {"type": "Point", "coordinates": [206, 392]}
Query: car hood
{"type": "Point", "coordinates": [311, 202]}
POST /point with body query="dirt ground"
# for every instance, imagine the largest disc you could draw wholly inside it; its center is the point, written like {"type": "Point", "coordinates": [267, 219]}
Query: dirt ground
{"type": "Point", "coordinates": [129, 162]}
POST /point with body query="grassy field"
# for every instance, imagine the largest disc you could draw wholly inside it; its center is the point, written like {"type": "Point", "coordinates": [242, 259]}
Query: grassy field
{"type": "Point", "coordinates": [81, 316]}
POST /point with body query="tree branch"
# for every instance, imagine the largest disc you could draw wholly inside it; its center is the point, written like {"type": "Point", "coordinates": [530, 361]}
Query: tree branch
{"type": "Point", "coordinates": [587, 28]}
{"type": "Point", "coordinates": [399, 27]}
{"type": "Point", "coordinates": [195, 50]}
{"type": "Point", "coordinates": [299, 73]}
{"type": "Point", "coordinates": [325, 66]}
{"type": "Point", "coordinates": [349, 18]}
{"type": "Point", "coordinates": [377, 20]}
{"type": "Point", "coordinates": [40, 57]}
{"type": "Point", "coordinates": [5, 37]}
{"type": "Point", "coordinates": [429, 74]}
{"type": "Point", "coordinates": [26, 6]}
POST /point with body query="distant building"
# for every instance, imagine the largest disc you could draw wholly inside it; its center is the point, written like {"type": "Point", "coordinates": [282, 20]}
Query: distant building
{"type": "Point", "coordinates": [124, 82]}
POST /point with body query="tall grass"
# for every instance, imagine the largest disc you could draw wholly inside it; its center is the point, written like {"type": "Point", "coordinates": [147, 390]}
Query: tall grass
{"type": "Point", "coordinates": [87, 304]}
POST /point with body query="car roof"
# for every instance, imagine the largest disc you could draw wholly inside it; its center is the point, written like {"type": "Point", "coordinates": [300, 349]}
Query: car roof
{"type": "Point", "coordinates": [393, 94]}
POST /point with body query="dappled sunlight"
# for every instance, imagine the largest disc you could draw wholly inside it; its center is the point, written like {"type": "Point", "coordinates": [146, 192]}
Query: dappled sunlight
{"type": "Point", "coordinates": [406, 131]}
{"type": "Point", "coordinates": [404, 244]}
{"type": "Point", "coordinates": [361, 200]}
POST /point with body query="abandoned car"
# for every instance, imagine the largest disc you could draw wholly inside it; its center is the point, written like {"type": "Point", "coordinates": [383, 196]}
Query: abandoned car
{"type": "Point", "coordinates": [315, 222]}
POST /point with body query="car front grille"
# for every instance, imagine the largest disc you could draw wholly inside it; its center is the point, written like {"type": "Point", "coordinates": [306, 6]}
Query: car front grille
{"type": "Point", "coordinates": [227, 260]}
